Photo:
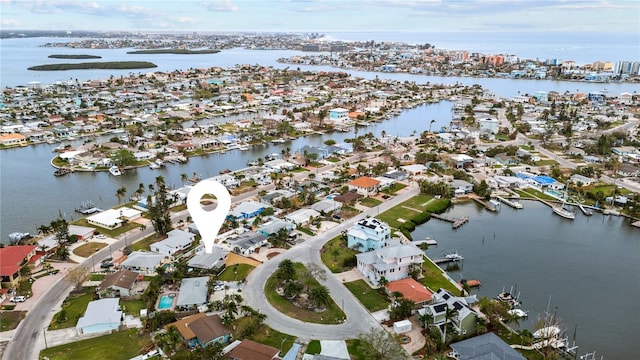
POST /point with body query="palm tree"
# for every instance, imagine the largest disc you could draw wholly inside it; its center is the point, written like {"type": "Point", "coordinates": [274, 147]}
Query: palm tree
{"type": "Point", "coordinates": [431, 123]}
{"type": "Point", "coordinates": [319, 296]}
{"type": "Point", "coordinates": [44, 229]}
{"type": "Point", "coordinates": [184, 177]}
{"type": "Point", "coordinates": [120, 193]}
{"type": "Point", "coordinates": [450, 314]}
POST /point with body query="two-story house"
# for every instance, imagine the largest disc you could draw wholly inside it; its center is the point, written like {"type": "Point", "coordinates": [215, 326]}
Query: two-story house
{"type": "Point", "coordinates": [393, 262]}
{"type": "Point", "coordinates": [447, 308]}
{"type": "Point", "coordinates": [368, 234]}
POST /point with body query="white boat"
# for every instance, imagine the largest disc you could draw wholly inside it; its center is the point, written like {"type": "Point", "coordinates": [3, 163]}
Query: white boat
{"type": "Point", "coordinates": [278, 141]}
{"type": "Point", "coordinates": [243, 148]}
{"type": "Point", "coordinates": [495, 203]}
{"type": "Point", "coordinates": [454, 257]}
{"type": "Point", "coordinates": [115, 171]}
{"type": "Point", "coordinates": [560, 210]}
{"type": "Point", "coordinates": [517, 205]}
{"type": "Point", "coordinates": [154, 166]}
{"type": "Point", "coordinates": [547, 332]}
{"type": "Point", "coordinates": [518, 313]}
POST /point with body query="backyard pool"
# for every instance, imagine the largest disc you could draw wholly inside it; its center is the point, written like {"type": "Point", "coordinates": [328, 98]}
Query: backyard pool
{"type": "Point", "coordinates": [331, 196]}
{"type": "Point", "coordinates": [166, 301]}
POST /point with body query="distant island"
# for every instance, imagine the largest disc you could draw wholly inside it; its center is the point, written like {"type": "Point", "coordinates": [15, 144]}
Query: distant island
{"type": "Point", "coordinates": [174, 51]}
{"type": "Point", "coordinates": [62, 56]}
{"type": "Point", "coordinates": [120, 65]}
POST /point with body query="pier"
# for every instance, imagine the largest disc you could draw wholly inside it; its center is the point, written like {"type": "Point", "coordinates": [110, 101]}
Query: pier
{"type": "Point", "coordinates": [487, 205]}
{"type": "Point", "coordinates": [455, 222]}
{"type": "Point", "coordinates": [585, 211]}
{"type": "Point", "coordinates": [446, 260]}
{"type": "Point", "coordinates": [428, 241]}
{"type": "Point", "coordinates": [515, 205]}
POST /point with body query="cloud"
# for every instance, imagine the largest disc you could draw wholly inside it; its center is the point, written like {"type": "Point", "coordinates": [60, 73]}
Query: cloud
{"type": "Point", "coordinates": [11, 22]}
{"type": "Point", "coordinates": [219, 6]}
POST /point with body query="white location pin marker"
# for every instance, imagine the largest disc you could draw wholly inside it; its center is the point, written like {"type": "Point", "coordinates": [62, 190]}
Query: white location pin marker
{"type": "Point", "coordinates": [208, 222]}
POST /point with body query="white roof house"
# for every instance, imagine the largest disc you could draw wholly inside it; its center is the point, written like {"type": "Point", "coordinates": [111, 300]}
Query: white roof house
{"type": "Point", "coordinates": [326, 205]}
{"type": "Point", "coordinates": [392, 262]}
{"type": "Point", "coordinates": [414, 169]}
{"type": "Point", "coordinates": [101, 316]}
{"type": "Point", "coordinates": [113, 218]}
{"type": "Point", "coordinates": [177, 240]}
{"type": "Point", "coordinates": [193, 291]}
{"type": "Point", "coordinates": [301, 216]}
{"type": "Point", "coordinates": [206, 261]}
{"type": "Point", "coordinates": [142, 261]}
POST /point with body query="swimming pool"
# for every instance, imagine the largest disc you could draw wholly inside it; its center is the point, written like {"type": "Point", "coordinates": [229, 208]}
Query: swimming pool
{"type": "Point", "coordinates": [165, 302]}
{"type": "Point", "coordinates": [331, 196]}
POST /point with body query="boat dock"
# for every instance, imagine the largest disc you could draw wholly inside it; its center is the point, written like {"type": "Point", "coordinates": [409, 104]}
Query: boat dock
{"type": "Point", "coordinates": [455, 222]}
{"type": "Point", "coordinates": [473, 283]}
{"type": "Point", "coordinates": [454, 257]}
{"type": "Point", "coordinates": [428, 241]}
{"type": "Point", "coordinates": [585, 211]}
{"type": "Point", "coordinates": [515, 205]}
{"type": "Point", "coordinates": [487, 205]}
{"type": "Point", "coordinates": [636, 224]}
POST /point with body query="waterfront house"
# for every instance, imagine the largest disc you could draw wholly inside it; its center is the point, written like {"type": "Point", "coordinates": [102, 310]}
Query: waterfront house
{"type": "Point", "coordinates": [193, 292]}
{"type": "Point", "coordinates": [364, 185]}
{"type": "Point", "coordinates": [101, 316]}
{"type": "Point", "coordinates": [368, 234]}
{"type": "Point", "coordinates": [118, 284]}
{"type": "Point", "coordinates": [12, 258]}
{"type": "Point", "coordinates": [251, 350]}
{"type": "Point", "coordinates": [142, 261]}
{"type": "Point", "coordinates": [201, 329]}
{"type": "Point", "coordinates": [461, 187]}
{"type": "Point", "coordinates": [9, 140]}
{"type": "Point", "coordinates": [176, 241]}
{"type": "Point", "coordinates": [393, 262]}
{"type": "Point", "coordinates": [411, 290]}
{"type": "Point", "coordinates": [113, 218]}
{"type": "Point", "coordinates": [206, 261]}
{"type": "Point", "coordinates": [485, 346]}
{"type": "Point", "coordinates": [464, 321]}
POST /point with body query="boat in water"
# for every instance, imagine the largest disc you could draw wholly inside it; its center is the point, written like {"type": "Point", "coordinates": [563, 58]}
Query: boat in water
{"type": "Point", "coordinates": [454, 257]}
{"type": "Point", "coordinates": [115, 171]}
{"type": "Point", "coordinates": [519, 313]}
{"type": "Point", "coordinates": [547, 332]}
{"type": "Point", "coordinates": [278, 141]}
{"type": "Point", "coordinates": [560, 210]}
{"type": "Point", "coordinates": [61, 172]}
{"type": "Point", "coordinates": [508, 298]}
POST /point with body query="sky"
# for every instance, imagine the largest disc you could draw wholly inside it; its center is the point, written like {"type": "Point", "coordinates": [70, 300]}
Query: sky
{"type": "Point", "coordinates": [323, 15]}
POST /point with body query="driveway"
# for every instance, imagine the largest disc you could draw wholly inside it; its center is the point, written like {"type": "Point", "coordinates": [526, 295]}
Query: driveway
{"type": "Point", "coordinates": [358, 321]}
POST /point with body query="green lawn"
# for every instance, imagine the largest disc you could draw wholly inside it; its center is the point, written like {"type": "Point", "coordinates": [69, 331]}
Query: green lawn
{"type": "Point", "coordinates": [353, 348]}
{"type": "Point", "coordinates": [74, 305]}
{"type": "Point", "coordinates": [145, 243]}
{"type": "Point", "coordinates": [418, 202]}
{"type": "Point", "coordinates": [132, 307]}
{"type": "Point", "coordinates": [121, 345]}
{"type": "Point", "coordinates": [266, 335]}
{"type": "Point", "coordinates": [546, 162]}
{"type": "Point", "coordinates": [96, 277]}
{"type": "Point", "coordinates": [9, 320]}
{"type": "Point", "coordinates": [243, 271]}
{"type": "Point", "coordinates": [313, 347]}
{"type": "Point", "coordinates": [370, 202]}
{"type": "Point", "coordinates": [433, 278]}
{"type": "Point", "coordinates": [528, 193]}
{"type": "Point", "coordinates": [393, 188]}
{"type": "Point", "coordinates": [333, 314]}
{"type": "Point", "coordinates": [334, 253]}
{"type": "Point", "coordinates": [369, 297]}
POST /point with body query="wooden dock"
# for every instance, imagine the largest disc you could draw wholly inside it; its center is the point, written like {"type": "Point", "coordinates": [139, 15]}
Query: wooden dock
{"type": "Point", "coordinates": [515, 205]}
{"type": "Point", "coordinates": [473, 283]}
{"type": "Point", "coordinates": [445, 260]}
{"type": "Point", "coordinates": [455, 222]}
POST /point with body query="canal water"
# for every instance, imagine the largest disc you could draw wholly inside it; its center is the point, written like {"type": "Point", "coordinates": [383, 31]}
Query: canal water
{"type": "Point", "coordinates": [585, 270]}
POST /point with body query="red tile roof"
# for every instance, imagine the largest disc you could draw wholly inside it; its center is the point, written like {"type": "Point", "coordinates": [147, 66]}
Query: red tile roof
{"type": "Point", "coordinates": [12, 256]}
{"type": "Point", "coordinates": [410, 289]}
{"type": "Point", "coordinates": [364, 182]}
{"type": "Point", "coordinates": [251, 350]}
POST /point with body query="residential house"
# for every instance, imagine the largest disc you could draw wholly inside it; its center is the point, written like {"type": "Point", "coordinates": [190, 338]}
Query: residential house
{"type": "Point", "coordinates": [302, 216]}
{"type": "Point", "coordinates": [251, 350]}
{"type": "Point", "coordinates": [464, 318]}
{"type": "Point", "coordinates": [489, 124]}
{"type": "Point", "coordinates": [396, 175]}
{"type": "Point", "coordinates": [326, 206]}
{"type": "Point", "coordinates": [176, 241]}
{"type": "Point", "coordinates": [274, 225]}
{"type": "Point", "coordinates": [102, 315]}
{"type": "Point", "coordinates": [338, 115]}
{"type": "Point", "coordinates": [203, 260]}
{"type": "Point", "coordinates": [414, 169]}
{"type": "Point", "coordinates": [13, 140]}
{"type": "Point", "coordinates": [368, 234]}
{"type": "Point", "coordinates": [12, 258]}
{"type": "Point", "coordinates": [81, 232]}
{"type": "Point", "coordinates": [114, 218]}
{"type": "Point", "coordinates": [118, 284]}
{"type": "Point", "coordinates": [199, 330]}
{"type": "Point", "coordinates": [485, 346]}
{"type": "Point", "coordinates": [461, 187]}
{"type": "Point", "coordinates": [246, 242]}
{"type": "Point", "coordinates": [461, 161]}
{"type": "Point", "coordinates": [193, 292]}
{"type": "Point", "coordinates": [393, 262]}
{"type": "Point", "coordinates": [585, 181]}
{"type": "Point", "coordinates": [411, 290]}
{"type": "Point", "coordinates": [142, 261]}
{"type": "Point", "coordinates": [275, 195]}
{"type": "Point", "coordinates": [364, 185]}
{"type": "Point", "coordinates": [247, 210]}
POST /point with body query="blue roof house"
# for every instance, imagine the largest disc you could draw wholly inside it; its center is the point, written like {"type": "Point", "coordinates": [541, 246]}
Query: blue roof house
{"type": "Point", "coordinates": [368, 234]}
{"type": "Point", "coordinates": [247, 210]}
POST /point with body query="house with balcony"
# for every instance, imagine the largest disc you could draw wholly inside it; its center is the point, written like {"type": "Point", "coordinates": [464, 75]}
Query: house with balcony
{"type": "Point", "coordinates": [368, 234]}
{"type": "Point", "coordinates": [393, 262]}
{"type": "Point", "coordinates": [461, 316]}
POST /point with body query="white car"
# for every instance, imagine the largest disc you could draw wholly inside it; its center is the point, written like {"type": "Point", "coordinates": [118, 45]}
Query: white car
{"type": "Point", "coordinates": [218, 287]}
{"type": "Point", "coordinates": [101, 237]}
{"type": "Point", "coordinates": [17, 299]}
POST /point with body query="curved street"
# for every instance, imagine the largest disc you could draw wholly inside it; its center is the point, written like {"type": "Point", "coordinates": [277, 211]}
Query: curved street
{"type": "Point", "coordinates": [359, 320]}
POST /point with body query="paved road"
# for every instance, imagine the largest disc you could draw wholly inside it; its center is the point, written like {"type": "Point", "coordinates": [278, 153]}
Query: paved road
{"type": "Point", "coordinates": [29, 337]}
{"type": "Point", "coordinates": [359, 320]}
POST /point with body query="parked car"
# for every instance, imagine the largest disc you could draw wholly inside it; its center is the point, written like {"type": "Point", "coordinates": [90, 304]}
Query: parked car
{"type": "Point", "coordinates": [109, 259]}
{"type": "Point", "coordinates": [101, 237]}
{"type": "Point", "coordinates": [106, 265]}
{"type": "Point", "coordinates": [17, 299]}
{"type": "Point", "coordinates": [218, 287]}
